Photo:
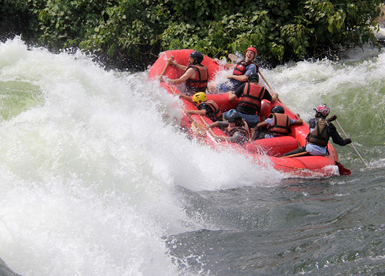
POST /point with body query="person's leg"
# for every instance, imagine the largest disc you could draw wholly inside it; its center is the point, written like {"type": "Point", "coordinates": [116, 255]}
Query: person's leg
{"type": "Point", "coordinates": [220, 88]}
{"type": "Point", "coordinates": [251, 120]}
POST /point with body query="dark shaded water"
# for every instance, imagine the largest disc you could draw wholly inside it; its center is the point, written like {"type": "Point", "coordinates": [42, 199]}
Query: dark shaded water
{"type": "Point", "coordinates": [332, 226]}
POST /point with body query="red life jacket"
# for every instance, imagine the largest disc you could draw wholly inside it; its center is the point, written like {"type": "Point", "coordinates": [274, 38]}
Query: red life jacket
{"type": "Point", "coordinates": [280, 125]}
{"type": "Point", "coordinates": [319, 136]}
{"type": "Point", "coordinates": [252, 96]}
{"type": "Point", "coordinates": [240, 68]}
{"type": "Point", "coordinates": [199, 83]}
{"type": "Point", "coordinates": [216, 115]}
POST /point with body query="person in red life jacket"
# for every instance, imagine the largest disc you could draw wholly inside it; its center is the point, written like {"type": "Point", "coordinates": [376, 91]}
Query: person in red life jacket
{"type": "Point", "coordinates": [241, 72]}
{"type": "Point", "coordinates": [205, 107]}
{"type": "Point", "coordinates": [278, 124]}
{"type": "Point", "coordinates": [320, 130]}
{"type": "Point", "coordinates": [196, 74]}
{"type": "Point", "coordinates": [235, 127]}
{"type": "Point", "coordinates": [250, 96]}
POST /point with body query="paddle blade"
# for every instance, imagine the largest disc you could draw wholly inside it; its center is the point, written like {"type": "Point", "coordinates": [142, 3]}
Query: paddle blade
{"type": "Point", "coordinates": [343, 170]}
{"type": "Point", "coordinates": [233, 58]}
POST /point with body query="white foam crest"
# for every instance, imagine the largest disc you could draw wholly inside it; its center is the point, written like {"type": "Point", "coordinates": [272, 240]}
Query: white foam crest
{"type": "Point", "coordinates": [341, 85]}
{"type": "Point", "coordinates": [94, 136]}
{"type": "Point", "coordinates": [12, 51]}
{"type": "Point", "coordinates": [78, 193]}
{"type": "Point", "coordinates": [66, 228]}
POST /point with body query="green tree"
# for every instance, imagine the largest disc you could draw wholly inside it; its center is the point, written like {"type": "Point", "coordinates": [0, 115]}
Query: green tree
{"type": "Point", "coordinates": [137, 30]}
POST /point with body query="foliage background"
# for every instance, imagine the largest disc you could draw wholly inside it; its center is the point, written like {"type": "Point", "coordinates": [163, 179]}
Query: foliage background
{"type": "Point", "coordinates": [131, 33]}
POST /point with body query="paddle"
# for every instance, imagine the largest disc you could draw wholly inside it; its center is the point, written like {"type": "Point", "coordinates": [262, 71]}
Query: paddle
{"type": "Point", "coordinates": [209, 129]}
{"type": "Point", "coordinates": [296, 154]}
{"type": "Point", "coordinates": [197, 127]}
{"type": "Point", "coordinates": [342, 169]}
{"type": "Point", "coordinates": [172, 90]}
{"type": "Point", "coordinates": [363, 161]}
{"type": "Point", "coordinates": [233, 58]}
{"type": "Point", "coordinates": [268, 85]}
{"type": "Point", "coordinates": [266, 81]}
{"type": "Point", "coordinates": [165, 67]}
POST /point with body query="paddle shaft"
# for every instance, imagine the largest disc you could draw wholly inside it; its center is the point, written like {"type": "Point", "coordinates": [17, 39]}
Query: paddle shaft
{"type": "Point", "coordinates": [165, 67]}
{"type": "Point", "coordinates": [296, 154]}
{"type": "Point", "coordinates": [265, 80]}
{"type": "Point", "coordinates": [268, 84]}
{"type": "Point", "coordinates": [209, 129]}
{"type": "Point", "coordinates": [359, 155]}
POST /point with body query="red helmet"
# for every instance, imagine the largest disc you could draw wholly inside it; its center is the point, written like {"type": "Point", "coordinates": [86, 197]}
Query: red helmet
{"type": "Point", "coordinates": [323, 109]}
{"type": "Point", "coordinates": [253, 50]}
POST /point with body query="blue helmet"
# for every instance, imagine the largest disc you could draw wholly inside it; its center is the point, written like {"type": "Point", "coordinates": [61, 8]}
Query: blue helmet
{"type": "Point", "coordinates": [233, 117]}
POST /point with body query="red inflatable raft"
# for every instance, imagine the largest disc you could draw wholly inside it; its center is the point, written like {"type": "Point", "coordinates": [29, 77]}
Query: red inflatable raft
{"type": "Point", "coordinates": [266, 152]}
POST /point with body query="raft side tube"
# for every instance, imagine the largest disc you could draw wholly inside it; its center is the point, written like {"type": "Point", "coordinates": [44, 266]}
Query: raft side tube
{"type": "Point", "coordinates": [276, 146]}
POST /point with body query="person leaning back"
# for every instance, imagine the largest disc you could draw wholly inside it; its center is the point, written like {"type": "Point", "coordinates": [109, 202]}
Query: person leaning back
{"type": "Point", "coordinates": [242, 70]}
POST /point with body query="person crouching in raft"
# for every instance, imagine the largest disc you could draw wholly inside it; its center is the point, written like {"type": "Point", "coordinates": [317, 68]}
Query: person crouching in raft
{"type": "Point", "coordinates": [278, 124]}
{"type": "Point", "coordinates": [236, 128]}
{"type": "Point", "coordinates": [320, 132]}
{"type": "Point", "coordinates": [241, 71]}
{"type": "Point", "coordinates": [205, 107]}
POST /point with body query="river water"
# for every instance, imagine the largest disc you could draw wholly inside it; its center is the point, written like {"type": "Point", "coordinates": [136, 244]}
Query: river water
{"type": "Point", "coordinates": [97, 179]}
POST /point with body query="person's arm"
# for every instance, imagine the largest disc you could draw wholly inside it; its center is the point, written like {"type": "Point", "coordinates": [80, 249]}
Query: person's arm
{"type": "Point", "coordinates": [299, 121]}
{"type": "Point", "coordinates": [215, 124]}
{"type": "Point", "coordinates": [181, 67]}
{"type": "Point", "coordinates": [274, 97]}
{"type": "Point", "coordinates": [332, 131]}
{"type": "Point", "coordinates": [220, 125]}
{"type": "Point", "coordinates": [251, 69]}
{"type": "Point", "coordinates": [237, 93]}
{"type": "Point", "coordinates": [188, 74]}
{"type": "Point", "coordinates": [232, 96]}
{"type": "Point", "coordinates": [199, 112]}
{"type": "Point", "coordinates": [262, 124]}
{"type": "Point", "coordinates": [241, 78]}
{"type": "Point", "coordinates": [224, 64]}
{"type": "Point", "coordinates": [266, 122]}
{"type": "Point", "coordinates": [187, 98]}
{"type": "Point", "coordinates": [271, 97]}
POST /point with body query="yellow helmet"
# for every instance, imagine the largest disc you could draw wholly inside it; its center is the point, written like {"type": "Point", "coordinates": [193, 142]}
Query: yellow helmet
{"type": "Point", "coordinates": [199, 97]}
